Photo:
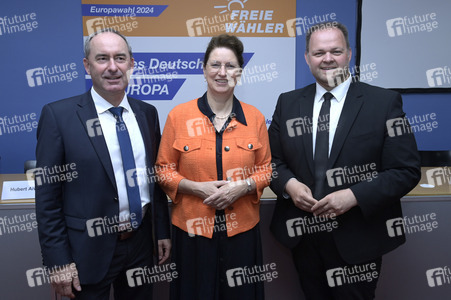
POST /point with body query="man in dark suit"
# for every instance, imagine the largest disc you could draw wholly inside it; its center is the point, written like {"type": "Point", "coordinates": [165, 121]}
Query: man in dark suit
{"type": "Point", "coordinates": [110, 215]}
{"type": "Point", "coordinates": [344, 156]}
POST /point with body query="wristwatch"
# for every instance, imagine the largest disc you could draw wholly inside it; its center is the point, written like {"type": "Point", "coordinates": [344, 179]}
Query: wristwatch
{"type": "Point", "coordinates": [249, 185]}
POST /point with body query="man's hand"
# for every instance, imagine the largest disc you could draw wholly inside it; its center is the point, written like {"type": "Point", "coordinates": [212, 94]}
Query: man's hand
{"type": "Point", "coordinates": [63, 278]}
{"type": "Point", "coordinates": [164, 250]}
{"type": "Point", "coordinates": [300, 194]}
{"type": "Point", "coordinates": [336, 203]}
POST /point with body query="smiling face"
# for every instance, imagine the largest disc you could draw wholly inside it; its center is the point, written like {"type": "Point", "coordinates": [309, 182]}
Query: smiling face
{"type": "Point", "coordinates": [327, 55]}
{"type": "Point", "coordinates": [220, 71]}
{"type": "Point", "coordinates": [110, 65]}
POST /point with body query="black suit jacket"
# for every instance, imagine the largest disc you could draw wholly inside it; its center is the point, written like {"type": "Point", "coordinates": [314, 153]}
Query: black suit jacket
{"type": "Point", "coordinates": [361, 139]}
{"type": "Point", "coordinates": [66, 135]}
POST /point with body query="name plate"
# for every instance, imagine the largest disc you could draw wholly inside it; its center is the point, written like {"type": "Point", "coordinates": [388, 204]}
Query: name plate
{"type": "Point", "coordinates": [18, 190]}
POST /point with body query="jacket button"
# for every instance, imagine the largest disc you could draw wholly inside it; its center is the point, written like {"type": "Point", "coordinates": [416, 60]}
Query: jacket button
{"type": "Point", "coordinates": [227, 148]}
{"type": "Point", "coordinates": [186, 148]}
{"type": "Point", "coordinates": [250, 146]}
{"type": "Point", "coordinates": [115, 199]}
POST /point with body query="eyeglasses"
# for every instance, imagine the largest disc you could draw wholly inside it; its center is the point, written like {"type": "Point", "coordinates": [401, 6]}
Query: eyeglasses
{"type": "Point", "coordinates": [216, 65]}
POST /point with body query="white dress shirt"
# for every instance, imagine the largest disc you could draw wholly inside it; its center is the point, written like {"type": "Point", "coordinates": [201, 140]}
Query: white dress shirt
{"type": "Point", "coordinates": [108, 123]}
{"type": "Point", "coordinates": [336, 106]}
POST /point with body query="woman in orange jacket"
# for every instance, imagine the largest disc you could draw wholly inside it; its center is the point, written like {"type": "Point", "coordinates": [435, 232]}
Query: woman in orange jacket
{"type": "Point", "coordinates": [214, 162]}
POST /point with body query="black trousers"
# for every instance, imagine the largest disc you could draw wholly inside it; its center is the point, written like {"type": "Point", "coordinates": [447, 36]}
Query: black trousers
{"type": "Point", "coordinates": [134, 252]}
{"type": "Point", "coordinates": [202, 265]}
{"type": "Point", "coordinates": [324, 275]}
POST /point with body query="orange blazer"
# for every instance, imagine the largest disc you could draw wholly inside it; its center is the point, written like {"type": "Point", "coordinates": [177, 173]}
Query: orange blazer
{"type": "Point", "coordinates": [188, 150]}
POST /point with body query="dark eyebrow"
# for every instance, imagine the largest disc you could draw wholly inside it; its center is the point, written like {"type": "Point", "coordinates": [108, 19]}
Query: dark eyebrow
{"type": "Point", "coordinates": [106, 55]}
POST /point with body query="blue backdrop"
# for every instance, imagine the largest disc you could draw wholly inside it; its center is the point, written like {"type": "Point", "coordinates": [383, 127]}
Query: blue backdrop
{"type": "Point", "coordinates": [41, 47]}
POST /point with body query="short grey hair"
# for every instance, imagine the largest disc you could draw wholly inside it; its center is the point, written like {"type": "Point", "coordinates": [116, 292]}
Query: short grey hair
{"type": "Point", "coordinates": [87, 48]}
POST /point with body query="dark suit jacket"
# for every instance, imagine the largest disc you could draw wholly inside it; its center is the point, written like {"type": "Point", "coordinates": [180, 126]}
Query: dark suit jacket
{"type": "Point", "coordinates": [66, 136]}
{"type": "Point", "coordinates": [361, 138]}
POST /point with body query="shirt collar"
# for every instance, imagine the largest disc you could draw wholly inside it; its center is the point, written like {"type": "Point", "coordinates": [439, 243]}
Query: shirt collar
{"type": "Point", "coordinates": [339, 91]}
{"type": "Point", "coordinates": [102, 105]}
{"type": "Point", "coordinates": [237, 109]}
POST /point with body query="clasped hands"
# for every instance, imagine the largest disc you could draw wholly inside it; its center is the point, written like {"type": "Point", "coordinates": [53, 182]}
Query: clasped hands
{"type": "Point", "coordinates": [219, 194]}
{"type": "Point", "coordinates": [334, 204]}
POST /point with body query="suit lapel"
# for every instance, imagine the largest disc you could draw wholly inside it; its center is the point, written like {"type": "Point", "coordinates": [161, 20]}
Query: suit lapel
{"type": "Point", "coordinates": [351, 108]}
{"type": "Point", "coordinates": [307, 113]}
{"type": "Point", "coordinates": [87, 114]}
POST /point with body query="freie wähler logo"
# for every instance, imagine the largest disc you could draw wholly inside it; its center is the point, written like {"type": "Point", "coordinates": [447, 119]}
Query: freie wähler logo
{"type": "Point", "coordinates": [411, 25]}
{"type": "Point", "coordinates": [240, 276]}
{"type": "Point", "coordinates": [438, 77]}
{"type": "Point", "coordinates": [249, 21]}
{"type": "Point", "coordinates": [409, 225]}
{"type": "Point", "coordinates": [18, 23]}
{"type": "Point", "coordinates": [18, 123]}
{"type": "Point", "coordinates": [158, 273]}
{"type": "Point", "coordinates": [51, 75]}
{"type": "Point", "coordinates": [309, 225]}
{"type": "Point", "coordinates": [352, 274]}
{"type": "Point", "coordinates": [438, 276]}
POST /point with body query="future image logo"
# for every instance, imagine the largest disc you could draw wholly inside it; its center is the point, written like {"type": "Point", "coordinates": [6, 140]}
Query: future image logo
{"type": "Point", "coordinates": [51, 75]}
{"type": "Point", "coordinates": [438, 77]}
{"type": "Point", "coordinates": [439, 176]}
{"type": "Point", "coordinates": [18, 23]}
{"type": "Point", "coordinates": [300, 26]}
{"type": "Point", "coordinates": [438, 276]}
{"type": "Point", "coordinates": [124, 24]}
{"type": "Point", "coordinates": [412, 224]}
{"type": "Point", "coordinates": [351, 175]}
{"type": "Point", "coordinates": [308, 225]}
{"type": "Point", "coordinates": [148, 275]}
{"type": "Point", "coordinates": [209, 225]}
{"type": "Point", "coordinates": [398, 126]}
{"type": "Point", "coordinates": [352, 274]}
{"type": "Point", "coordinates": [411, 25]}
{"type": "Point", "coordinates": [199, 126]}
{"type": "Point", "coordinates": [249, 275]}
{"type": "Point", "coordinates": [18, 123]}
{"type": "Point", "coordinates": [43, 275]}
{"type": "Point", "coordinates": [111, 225]}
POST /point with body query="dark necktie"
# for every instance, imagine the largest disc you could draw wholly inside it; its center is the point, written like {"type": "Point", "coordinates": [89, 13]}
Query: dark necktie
{"type": "Point", "coordinates": [322, 146]}
{"type": "Point", "coordinates": [128, 162]}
